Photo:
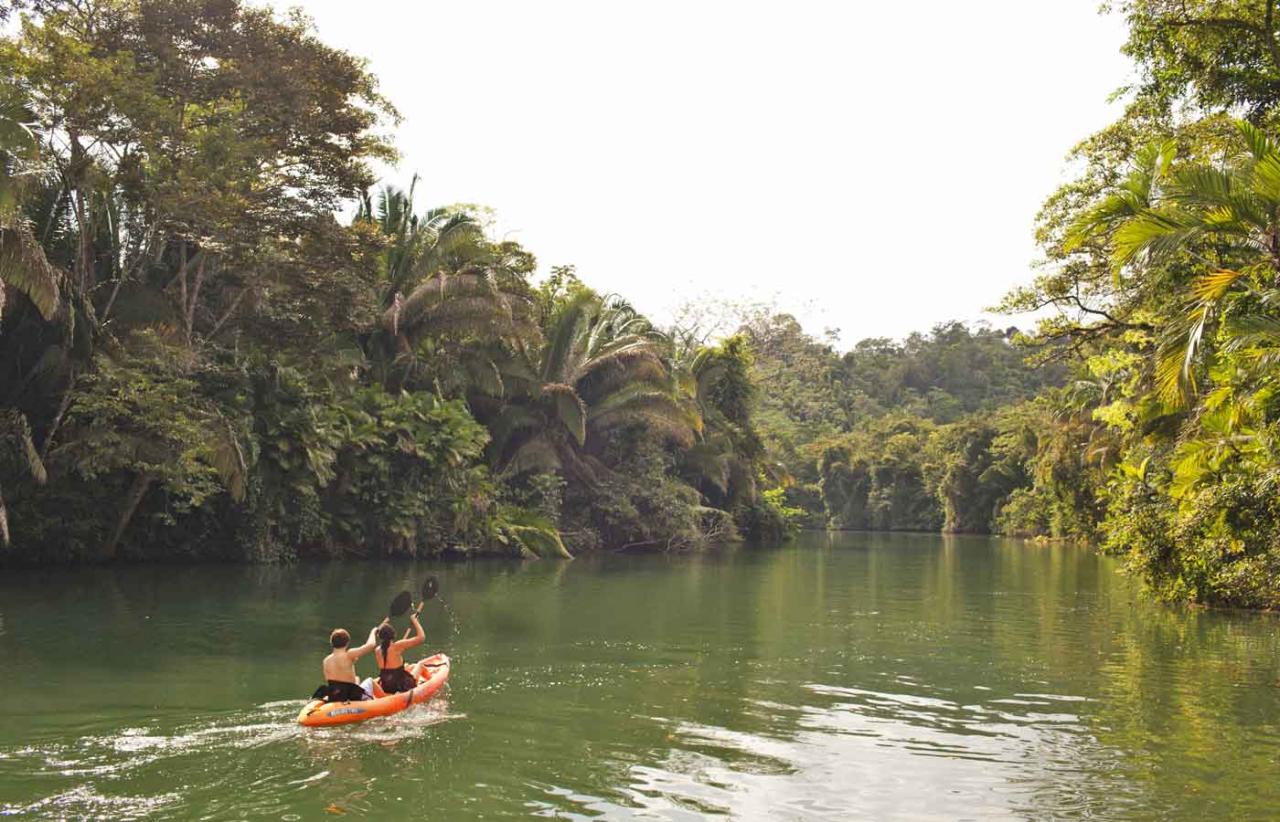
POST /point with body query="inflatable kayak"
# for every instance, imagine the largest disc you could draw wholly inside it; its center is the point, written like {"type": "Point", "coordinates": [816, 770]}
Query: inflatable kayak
{"type": "Point", "coordinates": [431, 674]}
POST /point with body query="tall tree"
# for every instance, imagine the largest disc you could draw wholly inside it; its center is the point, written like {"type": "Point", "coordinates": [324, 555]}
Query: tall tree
{"type": "Point", "coordinates": [188, 139]}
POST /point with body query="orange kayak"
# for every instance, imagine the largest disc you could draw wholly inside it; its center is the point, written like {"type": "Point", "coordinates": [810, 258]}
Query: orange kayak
{"type": "Point", "coordinates": [431, 674]}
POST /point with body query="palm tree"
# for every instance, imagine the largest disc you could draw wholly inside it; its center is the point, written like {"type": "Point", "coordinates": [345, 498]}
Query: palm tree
{"type": "Point", "coordinates": [23, 265]}
{"type": "Point", "coordinates": [418, 246]}
{"type": "Point", "coordinates": [455, 332]}
{"type": "Point", "coordinates": [24, 268]}
{"type": "Point", "coordinates": [599, 369]}
{"type": "Point", "coordinates": [724, 462]}
{"type": "Point", "coordinates": [1226, 218]}
{"type": "Point", "coordinates": [453, 302]}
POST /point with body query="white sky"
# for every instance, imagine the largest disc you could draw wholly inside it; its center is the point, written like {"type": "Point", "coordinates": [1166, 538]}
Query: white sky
{"type": "Point", "coordinates": [874, 167]}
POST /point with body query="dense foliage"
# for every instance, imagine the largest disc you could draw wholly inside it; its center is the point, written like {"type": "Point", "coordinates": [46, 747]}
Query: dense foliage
{"type": "Point", "coordinates": [1156, 436]}
{"type": "Point", "coordinates": [1163, 265]}
{"type": "Point", "coordinates": [924, 434]}
{"type": "Point", "coordinates": [199, 359]}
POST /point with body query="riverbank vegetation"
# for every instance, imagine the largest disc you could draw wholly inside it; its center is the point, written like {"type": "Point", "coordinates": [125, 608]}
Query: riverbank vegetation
{"type": "Point", "coordinates": [220, 338]}
{"type": "Point", "coordinates": [199, 359]}
{"type": "Point", "coordinates": [1159, 298]}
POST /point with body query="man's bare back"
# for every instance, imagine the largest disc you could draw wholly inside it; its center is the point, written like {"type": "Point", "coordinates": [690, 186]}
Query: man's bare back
{"type": "Point", "coordinates": [340, 665]}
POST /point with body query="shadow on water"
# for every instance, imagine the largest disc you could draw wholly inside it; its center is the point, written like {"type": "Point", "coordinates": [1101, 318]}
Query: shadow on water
{"type": "Point", "coordinates": [844, 676]}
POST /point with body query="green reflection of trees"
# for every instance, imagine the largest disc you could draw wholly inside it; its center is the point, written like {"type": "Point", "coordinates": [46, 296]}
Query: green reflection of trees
{"type": "Point", "coordinates": [576, 683]}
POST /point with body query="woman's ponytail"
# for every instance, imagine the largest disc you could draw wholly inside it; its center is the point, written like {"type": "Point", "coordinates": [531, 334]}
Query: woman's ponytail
{"type": "Point", "coordinates": [386, 634]}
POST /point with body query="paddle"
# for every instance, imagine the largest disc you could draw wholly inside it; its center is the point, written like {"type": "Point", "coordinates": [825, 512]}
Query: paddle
{"type": "Point", "coordinates": [400, 604]}
{"type": "Point", "coordinates": [430, 587]}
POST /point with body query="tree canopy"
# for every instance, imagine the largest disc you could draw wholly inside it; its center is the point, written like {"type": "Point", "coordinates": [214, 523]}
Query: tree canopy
{"type": "Point", "coordinates": [200, 357]}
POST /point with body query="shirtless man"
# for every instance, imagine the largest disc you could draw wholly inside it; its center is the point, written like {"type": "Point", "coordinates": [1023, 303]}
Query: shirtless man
{"type": "Point", "coordinates": [340, 668]}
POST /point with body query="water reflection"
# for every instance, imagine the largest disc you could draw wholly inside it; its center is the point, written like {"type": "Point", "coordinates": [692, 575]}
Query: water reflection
{"type": "Point", "coordinates": [844, 677]}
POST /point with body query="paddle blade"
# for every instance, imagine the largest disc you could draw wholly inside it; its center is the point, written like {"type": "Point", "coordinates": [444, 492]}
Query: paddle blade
{"type": "Point", "coordinates": [430, 588]}
{"type": "Point", "coordinates": [400, 604]}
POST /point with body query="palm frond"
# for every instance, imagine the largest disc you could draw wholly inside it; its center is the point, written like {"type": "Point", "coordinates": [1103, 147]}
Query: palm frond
{"type": "Point", "coordinates": [571, 411]}
{"type": "Point", "coordinates": [1265, 180]}
{"type": "Point", "coordinates": [534, 534]}
{"type": "Point", "coordinates": [516, 371]}
{"type": "Point", "coordinates": [227, 458]}
{"type": "Point", "coordinates": [1177, 351]}
{"type": "Point", "coordinates": [1259, 144]}
{"type": "Point", "coordinates": [1175, 354]}
{"type": "Point", "coordinates": [655, 408]}
{"type": "Point", "coordinates": [461, 305]}
{"type": "Point", "coordinates": [1202, 185]}
{"type": "Point", "coordinates": [17, 448]}
{"type": "Point", "coordinates": [483, 375]}
{"type": "Point", "coordinates": [656, 420]}
{"type": "Point", "coordinates": [1252, 331]}
{"type": "Point", "coordinates": [1227, 199]}
{"type": "Point", "coordinates": [573, 318]}
{"type": "Point", "coordinates": [605, 377]}
{"type": "Point", "coordinates": [1160, 233]}
{"type": "Point", "coordinates": [1213, 286]}
{"type": "Point", "coordinates": [24, 267]}
{"type": "Point", "coordinates": [1128, 200]}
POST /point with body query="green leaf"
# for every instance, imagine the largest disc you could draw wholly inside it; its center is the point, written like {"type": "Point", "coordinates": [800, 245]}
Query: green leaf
{"type": "Point", "coordinates": [24, 267]}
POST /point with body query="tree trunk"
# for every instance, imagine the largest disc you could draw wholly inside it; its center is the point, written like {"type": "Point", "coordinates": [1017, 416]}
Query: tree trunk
{"type": "Point", "coordinates": [4, 522]}
{"type": "Point", "coordinates": [227, 314]}
{"type": "Point", "coordinates": [84, 255]}
{"type": "Point", "coordinates": [141, 484]}
{"type": "Point", "coordinates": [63, 405]}
{"type": "Point", "coordinates": [182, 283]}
{"type": "Point", "coordinates": [190, 308]}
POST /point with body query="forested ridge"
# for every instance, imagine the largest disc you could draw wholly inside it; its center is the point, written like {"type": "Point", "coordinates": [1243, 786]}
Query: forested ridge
{"type": "Point", "coordinates": [221, 339]}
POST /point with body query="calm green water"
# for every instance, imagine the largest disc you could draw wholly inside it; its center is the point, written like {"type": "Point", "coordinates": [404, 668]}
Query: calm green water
{"type": "Point", "coordinates": [846, 677]}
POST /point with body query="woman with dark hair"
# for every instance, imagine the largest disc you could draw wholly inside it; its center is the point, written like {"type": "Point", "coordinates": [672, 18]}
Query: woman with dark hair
{"type": "Point", "coordinates": [390, 654]}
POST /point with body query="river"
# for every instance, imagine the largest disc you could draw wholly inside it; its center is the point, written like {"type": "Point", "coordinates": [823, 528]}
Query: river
{"type": "Point", "coordinates": [844, 676]}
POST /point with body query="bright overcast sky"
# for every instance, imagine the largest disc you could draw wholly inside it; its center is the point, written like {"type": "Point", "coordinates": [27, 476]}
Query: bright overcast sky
{"type": "Point", "coordinates": [870, 167]}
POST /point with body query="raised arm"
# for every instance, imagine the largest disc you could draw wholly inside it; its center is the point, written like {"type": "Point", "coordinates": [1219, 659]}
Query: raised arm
{"type": "Point", "coordinates": [356, 653]}
{"type": "Point", "coordinates": [418, 638]}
